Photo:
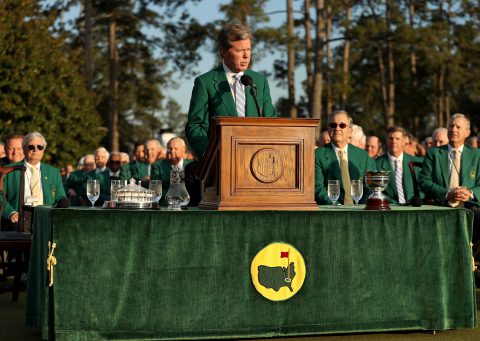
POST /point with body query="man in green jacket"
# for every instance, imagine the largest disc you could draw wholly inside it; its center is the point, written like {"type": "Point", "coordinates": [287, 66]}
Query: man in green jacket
{"type": "Point", "coordinates": [329, 160]}
{"type": "Point", "coordinates": [220, 92]}
{"type": "Point", "coordinates": [439, 167]}
{"type": "Point", "coordinates": [400, 188]}
{"type": "Point", "coordinates": [43, 183]}
{"type": "Point", "coordinates": [76, 184]}
{"type": "Point", "coordinates": [176, 152]}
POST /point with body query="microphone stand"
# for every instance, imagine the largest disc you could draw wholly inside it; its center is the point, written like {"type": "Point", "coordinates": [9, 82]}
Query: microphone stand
{"type": "Point", "coordinates": [254, 95]}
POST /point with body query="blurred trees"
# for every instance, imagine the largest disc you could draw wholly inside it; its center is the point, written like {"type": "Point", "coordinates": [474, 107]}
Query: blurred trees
{"type": "Point", "coordinates": [41, 88]}
{"type": "Point", "coordinates": [412, 63]}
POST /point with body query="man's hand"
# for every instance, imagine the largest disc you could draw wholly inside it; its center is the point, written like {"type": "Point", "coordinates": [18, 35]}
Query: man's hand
{"type": "Point", "coordinates": [462, 194]}
{"type": "Point", "coordinates": [14, 217]}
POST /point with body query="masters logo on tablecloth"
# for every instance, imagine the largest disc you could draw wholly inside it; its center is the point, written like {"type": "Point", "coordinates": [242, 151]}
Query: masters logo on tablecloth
{"type": "Point", "coordinates": [278, 271]}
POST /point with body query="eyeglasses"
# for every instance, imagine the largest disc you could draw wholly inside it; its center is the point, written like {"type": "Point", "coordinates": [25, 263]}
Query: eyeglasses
{"type": "Point", "coordinates": [32, 147]}
{"type": "Point", "coordinates": [334, 125]}
{"type": "Point", "coordinates": [115, 162]}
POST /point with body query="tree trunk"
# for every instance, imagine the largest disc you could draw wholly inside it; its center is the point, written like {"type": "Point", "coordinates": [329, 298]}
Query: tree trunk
{"type": "Point", "coordinates": [113, 142]}
{"type": "Point", "coordinates": [308, 53]}
{"type": "Point", "coordinates": [440, 95]}
{"type": "Point", "coordinates": [328, 69]}
{"type": "Point", "coordinates": [346, 55]}
{"type": "Point", "coordinates": [391, 70]}
{"type": "Point", "coordinates": [88, 45]}
{"type": "Point", "coordinates": [291, 61]}
{"type": "Point", "coordinates": [318, 65]}
{"type": "Point", "coordinates": [413, 68]}
{"type": "Point", "coordinates": [383, 81]}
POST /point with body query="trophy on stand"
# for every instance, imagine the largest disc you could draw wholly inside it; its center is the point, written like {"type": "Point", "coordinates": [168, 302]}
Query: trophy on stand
{"type": "Point", "coordinates": [377, 181]}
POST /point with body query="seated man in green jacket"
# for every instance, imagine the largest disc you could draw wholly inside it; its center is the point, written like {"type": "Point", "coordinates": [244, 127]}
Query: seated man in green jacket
{"type": "Point", "coordinates": [400, 188]}
{"type": "Point", "coordinates": [43, 183]}
{"type": "Point", "coordinates": [176, 153]}
{"type": "Point", "coordinates": [340, 160]}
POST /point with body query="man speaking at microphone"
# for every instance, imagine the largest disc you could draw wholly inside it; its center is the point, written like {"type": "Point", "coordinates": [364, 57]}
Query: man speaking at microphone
{"type": "Point", "coordinates": [223, 91]}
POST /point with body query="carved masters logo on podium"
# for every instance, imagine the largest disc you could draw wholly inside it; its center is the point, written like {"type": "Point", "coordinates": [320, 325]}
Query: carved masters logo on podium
{"type": "Point", "coordinates": [278, 271]}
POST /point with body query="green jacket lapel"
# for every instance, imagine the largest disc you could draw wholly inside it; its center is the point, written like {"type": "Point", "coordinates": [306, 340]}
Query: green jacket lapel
{"type": "Point", "coordinates": [47, 196]}
{"type": "Point", "coordinates": [444, 164]}
{"type": "Point", "coordinates": [251, 108]}
{"type": "Point", "coordinates": [331, 158]}
{"type": "Point", "coordinates": [222, 87]}
{"type": "Point", "coordinates": [465, 162]}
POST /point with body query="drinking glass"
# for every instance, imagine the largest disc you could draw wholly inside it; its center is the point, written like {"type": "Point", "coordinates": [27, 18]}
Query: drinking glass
{"type": "Point", "coordinates": [156, 187]}
{"type": "Point", "coordinates": [357, 191]}
{"type": "Point", "coordinates": [333, 191]}
{"type": "Point", "coordinates": [115, 185]}
{"type": "Point", "coordinates": [93, 190]}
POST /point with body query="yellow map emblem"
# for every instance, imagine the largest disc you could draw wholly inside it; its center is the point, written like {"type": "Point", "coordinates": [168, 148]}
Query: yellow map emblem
{"type": "Point", "coordinates": [278, 271]}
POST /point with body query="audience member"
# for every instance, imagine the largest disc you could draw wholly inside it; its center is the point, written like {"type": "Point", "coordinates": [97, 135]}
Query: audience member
{"type": "Point", "coordinates": [142, 170]}
{"type": "Point", "coordinates": [472, 142]}
{"type": "Point", "coordinates": [43, 183]}
{"type": "Point", "coordinates": [124, 158]}
{"type": "Point", "coordinates": [339, 160]}
{"type": "Point", "coordinates": [440, 137]}
{"type": "Point", "coordinates": [13, 149]}
{"type": "Point", "coordinates": [76, 183]}
{"type": "Point", "coordinates": [324, 139]}
{"type": "Point", "coordinates": [139, 152]}
{"type": "Point", "coordinates": [400, 187]}
{"type": "Point", "coordinates": [176, 152]}
{"type": "Point", "coordinates": [410, 145]}
{"type": "Point", "coordinates": [428, 142]}
{"type": "Point", "coordinates": [451, 173]}
{"type": "Point", "coordinates": [2, 150]}
{"type": "Point", "coordinates": [114, 165]}
{"type": "Point", "coordinates": [374, 147]}
{"type": "Point", "coordinates": [358, 138]}
{"type": "Point", "coordinates": [101, 158]}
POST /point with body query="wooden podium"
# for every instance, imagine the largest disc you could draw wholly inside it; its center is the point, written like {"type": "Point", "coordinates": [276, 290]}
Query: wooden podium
{"type": "Point", "coordinates": [259, 163]}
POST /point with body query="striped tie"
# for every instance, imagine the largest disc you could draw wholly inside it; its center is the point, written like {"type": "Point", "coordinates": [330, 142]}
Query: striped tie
{"type": "Point", "coordinates": [345, 174]}
{"type": "Point", "coordinates": [239, 96]}
{"type": "Point", "coordinates": [398, 180]}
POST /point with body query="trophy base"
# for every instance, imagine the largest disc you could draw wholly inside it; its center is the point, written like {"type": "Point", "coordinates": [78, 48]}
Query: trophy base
{"type": "Point", "coordinates": [376, 204]}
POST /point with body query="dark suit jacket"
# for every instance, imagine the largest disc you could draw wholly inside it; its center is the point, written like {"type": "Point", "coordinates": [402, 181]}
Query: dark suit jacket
{"type": "Point", "coordinates": [328, 168]}
{"type": "Point", "coordinates": [391, 192]}
{"type": "Point", "coordinates": [435, 174]}
{"type": "Point", "coordinates": [52, 187]}
{"type": "Point", "coordinates": [211, 96]}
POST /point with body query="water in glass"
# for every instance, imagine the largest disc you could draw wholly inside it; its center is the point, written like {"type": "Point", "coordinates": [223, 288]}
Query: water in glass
{"type": "Point", "coordinates": [333, 191]}
{"type": "Point", "coordinates": [93, 190]}
{"type": "Point", "coordinates": [156, 186]}
{"type": "Point", "coordinates": [357, 190]}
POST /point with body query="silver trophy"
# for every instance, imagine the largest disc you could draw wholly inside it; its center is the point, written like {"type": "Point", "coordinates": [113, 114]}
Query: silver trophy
{"type": "Point", "coordinates": [377, 181]}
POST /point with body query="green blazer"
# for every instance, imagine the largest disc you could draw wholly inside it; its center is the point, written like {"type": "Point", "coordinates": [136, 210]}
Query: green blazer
{"type": "Point", "coordinates": [211, 96]}
{"type": "Point", "coordinates": [77, 180]}
{"type": "Point", "coordinates": [104, 179]}
{"type": "Point", "coordinates": [327, 168]}
{"type": "Point", "coordinates": [134, 169]}
{"type": "Point", "coordinates": [391, 192]}
{"type": "Point", "coordinates": [435, 174]}
{"type": "Point", "coordinates": [161, 171]}
{"type": "Point", "coordinates": [52, 187]}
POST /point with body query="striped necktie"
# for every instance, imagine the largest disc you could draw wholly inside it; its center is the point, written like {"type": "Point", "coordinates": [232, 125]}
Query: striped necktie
{"type": "Point", "coordinates": [398, 180]}
{"type": "Point", "coordinates": [345, 173]}
{"type": "Point", "coordinates": [239, 96]}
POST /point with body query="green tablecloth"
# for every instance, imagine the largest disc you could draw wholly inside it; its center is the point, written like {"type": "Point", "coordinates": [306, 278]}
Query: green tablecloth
{"type": "Point", "coordinates": [159, 274]}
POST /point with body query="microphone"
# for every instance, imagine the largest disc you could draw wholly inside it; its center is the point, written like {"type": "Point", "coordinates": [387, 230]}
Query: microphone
{"type": "Point", "coordinates": [62, 203]}
{"type": "Point", "coordinates": [248, 81]}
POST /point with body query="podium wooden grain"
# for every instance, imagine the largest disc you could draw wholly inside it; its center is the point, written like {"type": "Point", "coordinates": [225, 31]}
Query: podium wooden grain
{"type": "Point", "coordinates": [259, 164]}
